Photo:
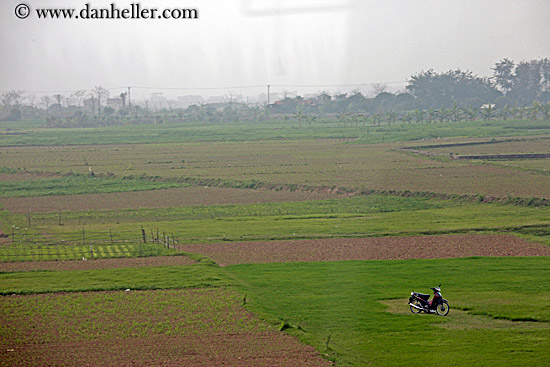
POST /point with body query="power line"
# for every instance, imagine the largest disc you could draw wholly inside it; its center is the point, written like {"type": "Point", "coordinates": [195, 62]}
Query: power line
{"type": "Point", "coordinates": [219, 88]}
{"type": "Point", "coordinates": [202, 88]}
{"type": "Point", "coordinates": [333, 85]}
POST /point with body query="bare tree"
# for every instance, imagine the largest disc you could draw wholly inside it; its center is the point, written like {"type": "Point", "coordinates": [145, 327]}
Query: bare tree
{"type": "Point", "coordinates": [12, 98]}
{"type": "Point", "coordinates": [6, 100]}
{"type": "Point", "coordinates": [231, 97]}
{"type": "Point", "coordinates": [58, 98]}
{"type": "Point", "coordinates": [17, 97]}
{"type": "Point", "coordinates": [93, 101]}
{"type": "Point", "coordinates": [12, 101]}
{"type": "Point", "coordinates": [79, 95]}
{"type": "Point", "coordinates": [100, 92]}
{"type": "Point", "coordinates": [379, 88]}
{"type": "Point", "coordinates": [32, 99]}
{"type": "Point", "coordinates": [46, 102]}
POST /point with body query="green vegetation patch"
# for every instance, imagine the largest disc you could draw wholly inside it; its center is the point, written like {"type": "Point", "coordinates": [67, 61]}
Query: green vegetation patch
{"type": "Point", "coordinates": [42, 251]}
{"type": "Point", "coordinates": [200, 275]}
{"type": "Point", "coordinates": [73, 185]}
{"type": "Point", "coordinates": [115, 316]}
{"type": "Point", "coordinates": [337, 307]}
{"type": "Point", "coordinates": [272, 129]}
{"type": "Point", "coordinates": [473, 218]}
{"type": "Point", "coordinates": [330, 207]}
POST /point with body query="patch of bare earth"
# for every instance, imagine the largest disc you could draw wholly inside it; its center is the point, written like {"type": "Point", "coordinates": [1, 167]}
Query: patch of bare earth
{"type": "Point", "coordinates": [378, 248]}
{"type": "Point", "coordinates": [202, 327]}
{"type": "Point", "coordinates": [140, 262]}
{"type": "Point", "coordinates": [268, 349]}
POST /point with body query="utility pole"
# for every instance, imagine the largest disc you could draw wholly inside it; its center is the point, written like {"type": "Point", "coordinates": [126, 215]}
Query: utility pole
{"type": "Point", "coordinates": [129, 104]}
{"type": "Point", "coordinates": [268, 86]}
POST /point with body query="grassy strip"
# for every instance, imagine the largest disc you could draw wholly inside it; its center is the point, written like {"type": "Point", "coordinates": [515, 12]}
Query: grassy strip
{"type": "Point", "coordinates": [462, 219]}
{"type": "Point", "coordinates": [203, 274]}
{"type": "Point", "coordinates": [355, 205]}
{"type": "Point", "coordinates": [74, 185]}
{"type": "Point", "coordinates": [336, 308]}
{"type": "Point", "coordinates": [272, 129]}
{"type": "Point", "coordinates": [258, 185]}
{"type": "Point", "coordinates": [8, 170]}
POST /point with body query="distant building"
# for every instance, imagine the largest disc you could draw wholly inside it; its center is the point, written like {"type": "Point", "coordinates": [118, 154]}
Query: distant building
{"type": "Point", "coordinates": [189, 100]}
{"type": "Point", "coordinates": [70, 101]}
{"type": "Point", "coordinates": [217, 99]}
{"type": "Point", "coordinates": [90, 104]}
{"type": "Point", "coordinates": [324, 98]}
{"type": "Point", "coordinates": [115, 103]}
{"type": "Point", "coordinates": [158, 101]}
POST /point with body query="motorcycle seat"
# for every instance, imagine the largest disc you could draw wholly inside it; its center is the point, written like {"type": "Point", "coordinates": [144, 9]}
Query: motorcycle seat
{"type": "Point", "coordinates": [423, 296]}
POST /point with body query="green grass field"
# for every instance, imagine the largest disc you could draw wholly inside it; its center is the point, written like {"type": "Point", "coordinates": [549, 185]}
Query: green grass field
{"type": "Point", "coordinates": [272, 129]}
{"type": "Point", "coordinates": [204, 274]}
{"type": "Point", "coordinates": [74, 185]}
{"type": "Point", "coordinates": [344, 302]}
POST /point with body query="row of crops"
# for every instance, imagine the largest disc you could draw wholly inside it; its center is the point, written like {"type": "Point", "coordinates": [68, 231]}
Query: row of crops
{"type": "Point", "coordinates": [91, 245]}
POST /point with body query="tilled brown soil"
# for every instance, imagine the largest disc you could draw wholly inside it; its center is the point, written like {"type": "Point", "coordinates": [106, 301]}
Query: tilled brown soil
{"type": "Point", "coordinates": [379, 248]}
{"type": "Point", "coordinates": [141, 262]}
{"type": "Point", "coordinates": [269, 349]}
{"type": "Point", "coordinates": [195, 327]}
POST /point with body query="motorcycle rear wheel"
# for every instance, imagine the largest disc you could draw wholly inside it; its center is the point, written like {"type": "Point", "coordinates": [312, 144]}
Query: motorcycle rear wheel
{"type": "Point", "coordinates": [416, 303]}
{"type": "Point", "coordinates": [442, 309]}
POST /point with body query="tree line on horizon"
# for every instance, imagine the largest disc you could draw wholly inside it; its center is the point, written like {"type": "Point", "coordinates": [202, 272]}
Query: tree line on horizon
{"type": "Point", "coordinates": [512, 85]}
{"type": "Point", "coordinates": [516, 90]}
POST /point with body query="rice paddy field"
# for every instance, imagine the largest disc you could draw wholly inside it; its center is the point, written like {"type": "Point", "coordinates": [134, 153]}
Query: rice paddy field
{"type": "Point", "coordinates": [314, 163]}
{"type": "Point", "coordinates": [273, 244]}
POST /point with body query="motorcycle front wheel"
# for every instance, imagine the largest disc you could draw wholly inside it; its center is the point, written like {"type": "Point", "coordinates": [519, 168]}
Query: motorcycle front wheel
{"type": "Point", "coordinates": [442, 309]}
{"type": "Point", "coordinates": [416, 303]}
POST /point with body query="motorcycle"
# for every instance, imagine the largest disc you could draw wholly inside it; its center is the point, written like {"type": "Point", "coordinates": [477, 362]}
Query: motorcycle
{"type": "Point", "coordinates": [420, 302]}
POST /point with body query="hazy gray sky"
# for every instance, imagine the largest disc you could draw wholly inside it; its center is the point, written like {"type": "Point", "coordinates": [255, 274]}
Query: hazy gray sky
{"type": "Point", "coordinates": [259, 42]}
